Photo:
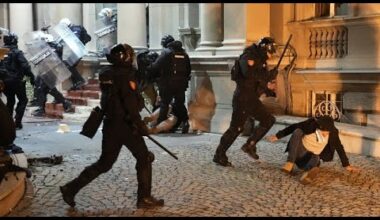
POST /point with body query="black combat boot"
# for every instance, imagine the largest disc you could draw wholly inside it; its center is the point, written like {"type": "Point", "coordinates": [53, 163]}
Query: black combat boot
{"type": "Point", "coordinates": [250, 149]}
{"type": "Point", "coordinates": [69, 191]}
{"type": "Point", "coordinates": [149, 202]}
{"type": "Point", "coordinates": [67, 106]}
{"type": "Point", "coordinates": [18, 124]}
{"type": "Point", "coordinates": [221, 158]}
{"type": "Point", "coordinates": [144, 187]}
{"type": "Point", "coordinates": [185, 127]}
{"type": "Point", "coordinates": [40, 112]}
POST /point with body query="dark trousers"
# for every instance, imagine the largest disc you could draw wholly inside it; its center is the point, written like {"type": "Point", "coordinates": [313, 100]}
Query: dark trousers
{"type": "Point", "coordinates": [17, 89]}
{"type": "Point", "coordinates": [241, 112]}
{"type": "Point", "coordinates": [298, 154]}
{"type": "Point", "coordinates": [43, 90]}
{"type": "Point", "coordinates": [115, 135]}
{"type": "Point", "coordinates": [179, 108]}
{"type": "Point", "coordinates": [7, 126]}
{"type": "Point", "coordinates": [76, 77]}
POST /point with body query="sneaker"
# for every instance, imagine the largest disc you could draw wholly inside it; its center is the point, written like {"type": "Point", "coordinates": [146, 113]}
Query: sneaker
{"type": "Point", "coordinates": [288, 167]}
{"type": "Point", "coordinates": [68, 197]}
{"type": "Point", "coordinates": [250, 150]}
{"type": "Point", "coordinates": [308, 176]}
{"type": "Point", "coordinates": [149, 202]}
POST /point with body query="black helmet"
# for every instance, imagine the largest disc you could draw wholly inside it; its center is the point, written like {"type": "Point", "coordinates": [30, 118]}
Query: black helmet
{"type": "Point", "coordinates": [121, 54]}
{"type": "Point", "coordinates": [152, 56]}
{"type": "Point", "coordinates": [165, 40]}
{"type": "Point", "coordinates": [268, 44]}
{"type": "Point", "coordinates": [10, 39]}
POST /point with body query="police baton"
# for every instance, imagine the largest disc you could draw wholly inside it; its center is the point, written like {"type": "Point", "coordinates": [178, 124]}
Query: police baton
{"type": "Point", "coordinates": [147, 110]}
{"type": "Point", "coordinates": [160, 145]}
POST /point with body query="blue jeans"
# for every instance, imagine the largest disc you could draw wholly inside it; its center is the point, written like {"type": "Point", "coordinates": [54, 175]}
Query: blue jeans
{"type": "Point", "coordinates": [298, 154]}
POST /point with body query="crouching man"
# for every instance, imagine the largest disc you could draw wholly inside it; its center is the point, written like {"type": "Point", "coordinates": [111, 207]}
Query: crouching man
{"type": "Point", "coordinates": [312, 140]}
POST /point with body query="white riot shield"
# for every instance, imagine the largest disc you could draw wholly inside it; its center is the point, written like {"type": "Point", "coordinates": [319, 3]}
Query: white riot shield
{"type": "Point", "coordinates": [73, 48]}
{"type": "Point", "coordinates": [43, 59]}
{"type": "Point", "coordinates": [106, 33]}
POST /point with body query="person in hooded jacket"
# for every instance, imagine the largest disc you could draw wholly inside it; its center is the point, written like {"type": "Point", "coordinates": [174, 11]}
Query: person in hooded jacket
{"type": "Point", "coordinates": [174, 69]}
{"type": "Point", "coordinates": [312, 140]}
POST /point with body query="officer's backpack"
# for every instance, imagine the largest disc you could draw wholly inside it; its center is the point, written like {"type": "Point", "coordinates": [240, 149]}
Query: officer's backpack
{"type": "Point", "coordinates": [179, 71]}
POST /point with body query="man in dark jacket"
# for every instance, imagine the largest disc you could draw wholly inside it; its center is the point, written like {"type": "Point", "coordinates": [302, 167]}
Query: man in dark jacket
{"type": "Point", "coordinates": [312, 140]}
{"type": "Point", "coordinates": [174, 68]}
{"type": "Point", "coordinates": [122, 125]}
{"type": "Point", "coordinates": [16, 66]}
{"type": "Point", "coordinates": [252, 80]}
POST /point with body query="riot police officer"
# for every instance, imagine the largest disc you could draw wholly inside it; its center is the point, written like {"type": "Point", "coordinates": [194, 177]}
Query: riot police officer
{"type": "Point", "coordinates": [252, 79]}
{"type": "Point", "coordinates": [16, 67]}
{"type": "Point", "coordinates": [174, 68]}
{"type": "Point", "coordinates": [81, 32]}
{"type": "Point", "coordinates": [42, 89]}
{"type": "Point", "coordinates": [122, 125]}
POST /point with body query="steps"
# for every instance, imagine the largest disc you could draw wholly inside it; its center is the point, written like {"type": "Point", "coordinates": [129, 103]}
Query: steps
{"type": "Point", "coordinates": [82, 101]}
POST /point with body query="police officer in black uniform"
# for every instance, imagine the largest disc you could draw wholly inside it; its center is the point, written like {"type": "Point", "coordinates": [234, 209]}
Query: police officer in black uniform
{"type": "Point", "coordinates": [84, 37]}
{"type": "Point", "coordinates": [17, 67]}
{"type": "Point", "coordinates": [42, 89]}
{"type": "Point", "coordinates": [122, 125]}
{"type": "Point", "coordinates": [174, 68]}
{"type": "Point", "coordinates": [252, 80]}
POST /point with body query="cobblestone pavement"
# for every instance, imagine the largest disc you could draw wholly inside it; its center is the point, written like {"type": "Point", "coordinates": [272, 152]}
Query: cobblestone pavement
{"type": "Point", "coordinates": [195, 186]}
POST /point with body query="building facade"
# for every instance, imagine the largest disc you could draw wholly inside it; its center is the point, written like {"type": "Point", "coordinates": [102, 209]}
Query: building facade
{"type": "Point", "coordinates": [335, 50]}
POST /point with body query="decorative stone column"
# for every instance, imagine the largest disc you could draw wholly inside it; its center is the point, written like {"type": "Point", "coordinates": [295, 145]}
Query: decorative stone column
{"type": "Point", "coordinates": [210, 17]}
{"type": "Point", "coordinates": [72, 11]}
{"type": "Point", "coordinates": [51, 14]}
{"type": "Point", "coordinates": [4, 15]}
{"type": "Point", "coordinates": [20, 20]}
{"type": "Point", "coordinates": [163, 19]}
{"type": "Point", "coordinates": [131, 25]}
{"type": "Point", "coordinates": [89, 22]}
{"type": "Point", "coordinates": [243, 25]}
{"type": "Point", "coordinates": [189, 26]}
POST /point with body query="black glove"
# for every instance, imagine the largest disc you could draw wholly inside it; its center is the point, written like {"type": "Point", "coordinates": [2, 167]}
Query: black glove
{"type": "Point", "coordinates": [143, 130]}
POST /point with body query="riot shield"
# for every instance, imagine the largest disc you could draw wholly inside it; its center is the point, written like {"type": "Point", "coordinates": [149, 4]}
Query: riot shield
{"type": "Point", "coordinates": [73, 48]}
{"type": "Point", "coordinates": [43, 59]}
{"type": "Point", "coordinates": [106, 33]}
